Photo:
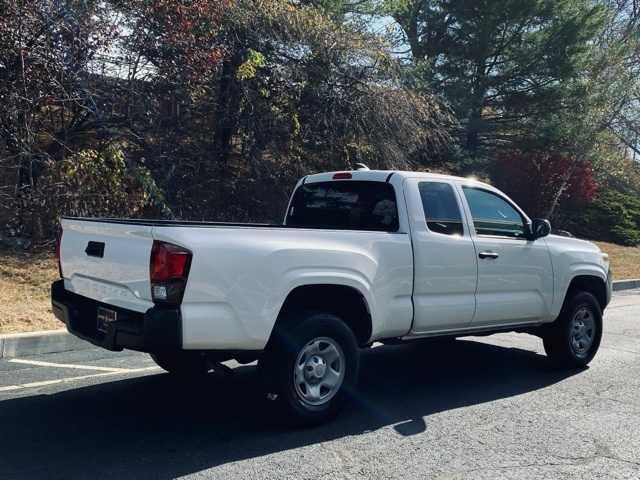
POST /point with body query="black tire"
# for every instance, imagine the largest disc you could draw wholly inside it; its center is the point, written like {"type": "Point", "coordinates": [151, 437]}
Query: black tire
{"type": "Point", "coordinates": [558, 338]}
{"type": "Point", "coordinates": [181, 363]}
{"type": "Point", "coordinates": [303, 333]}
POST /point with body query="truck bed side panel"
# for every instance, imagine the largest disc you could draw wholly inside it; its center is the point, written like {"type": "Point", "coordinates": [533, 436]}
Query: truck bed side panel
{"type": "Point", "coordinates": [241, 277]}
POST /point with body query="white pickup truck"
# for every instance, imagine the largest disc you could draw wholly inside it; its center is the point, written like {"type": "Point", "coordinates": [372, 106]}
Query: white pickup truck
{"type": "Point", "coordinates": [361, 256]}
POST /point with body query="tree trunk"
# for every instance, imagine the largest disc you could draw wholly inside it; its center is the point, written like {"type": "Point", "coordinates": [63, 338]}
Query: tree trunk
{"type": "Point", "coordinates": [474, 120]}
{"type": "Point", "coordinates": [563, 187]}
{"type": "Point", "coordinates": [472, 141]}
{"type": "Point", "coordinates": [227, 111]}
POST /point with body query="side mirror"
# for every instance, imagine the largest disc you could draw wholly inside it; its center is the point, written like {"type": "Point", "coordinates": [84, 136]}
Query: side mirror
{"type": "Point", "coordinates": [539, 227]}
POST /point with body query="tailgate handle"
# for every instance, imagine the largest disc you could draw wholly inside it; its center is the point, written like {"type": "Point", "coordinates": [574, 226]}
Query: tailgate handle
{"type": "Point", "coordinates": [95, 249]}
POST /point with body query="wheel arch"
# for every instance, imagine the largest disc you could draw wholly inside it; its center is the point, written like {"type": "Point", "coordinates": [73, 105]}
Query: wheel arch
{"type": "Point", "coordinates": [344, 301]}
{"type": "Point", "coordinates": [589, 283]}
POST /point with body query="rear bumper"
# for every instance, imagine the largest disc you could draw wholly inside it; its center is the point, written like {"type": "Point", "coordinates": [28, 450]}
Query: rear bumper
{"type": "Point", "coordinates": [156, 329]}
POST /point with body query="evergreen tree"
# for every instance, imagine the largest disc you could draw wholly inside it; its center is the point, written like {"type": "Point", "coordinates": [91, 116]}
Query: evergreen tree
{"type": "Point", "coordinates": [501, 64]}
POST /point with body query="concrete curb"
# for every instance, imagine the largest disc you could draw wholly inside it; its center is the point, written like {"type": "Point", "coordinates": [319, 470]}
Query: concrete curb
{"type": "Point", "coordinates": [54, 341]}
{"type": "Point", "coordinates": [626, 284]}
{"type": "Point", "coordinates": [36, 343]}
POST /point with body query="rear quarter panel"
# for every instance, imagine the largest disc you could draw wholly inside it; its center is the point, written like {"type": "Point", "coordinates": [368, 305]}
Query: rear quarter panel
{"type": "Point", "coordinates": [240, 278]}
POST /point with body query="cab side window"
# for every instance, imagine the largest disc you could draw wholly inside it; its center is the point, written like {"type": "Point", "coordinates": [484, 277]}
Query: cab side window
{"type": "Point", "coordinates": [493, 215]}
{"type": "Point", "coordinates": [441, 209]}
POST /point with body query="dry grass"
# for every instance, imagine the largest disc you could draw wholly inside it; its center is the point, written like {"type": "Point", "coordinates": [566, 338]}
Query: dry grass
{"type": "Point", "coordinates": [625, 261]}
{"type": "Point", "coordinates": [25, 305]}
{"type": "Point", "coordinates": [25, 280]}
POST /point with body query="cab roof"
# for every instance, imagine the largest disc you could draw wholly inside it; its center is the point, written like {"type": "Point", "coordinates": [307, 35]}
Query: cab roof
{"type": "Point", "coordinates": [387, 176]}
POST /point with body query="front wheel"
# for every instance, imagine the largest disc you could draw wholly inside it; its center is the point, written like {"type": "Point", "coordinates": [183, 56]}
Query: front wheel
{"type": "Point", "coordinates": [574, 338]}
{"type": "Point", "coordinates": [314, 367]}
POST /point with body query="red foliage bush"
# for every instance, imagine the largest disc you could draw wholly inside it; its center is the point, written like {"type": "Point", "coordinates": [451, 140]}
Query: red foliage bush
{"type": "Point", "coordinates": [541, 182]}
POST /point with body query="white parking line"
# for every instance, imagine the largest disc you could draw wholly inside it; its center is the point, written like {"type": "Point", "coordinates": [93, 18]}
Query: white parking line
{"type": "Point", "coordinates": [38, 363]}
{"type": "Point", "coordinates": [46, 383]}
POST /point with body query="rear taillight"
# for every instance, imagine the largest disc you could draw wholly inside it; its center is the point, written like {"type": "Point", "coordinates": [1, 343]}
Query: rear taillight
{"type": "Point", "coordinates": [168, 269]}
{"type": "Point", "coordinates": [58, 245]}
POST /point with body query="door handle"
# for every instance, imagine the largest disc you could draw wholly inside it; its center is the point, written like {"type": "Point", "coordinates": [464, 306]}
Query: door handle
{"type": "Point", "coordinates": [492, 255]}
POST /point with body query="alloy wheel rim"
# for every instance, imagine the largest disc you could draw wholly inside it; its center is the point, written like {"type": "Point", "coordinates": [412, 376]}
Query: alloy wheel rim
{"type": "Point", "coordinates": [583, 331]}
{"type": "Point", "coordinates": [319, 371]}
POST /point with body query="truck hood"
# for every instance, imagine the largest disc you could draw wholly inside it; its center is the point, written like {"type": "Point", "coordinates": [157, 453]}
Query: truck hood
{"type": "Point", "coordinates": [575, 251]}
{"type": "Point", "coordinates": [572, 243]}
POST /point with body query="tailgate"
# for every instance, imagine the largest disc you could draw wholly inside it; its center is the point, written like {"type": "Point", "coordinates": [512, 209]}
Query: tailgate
{"type": "Point", "coordinates": [108, 262]}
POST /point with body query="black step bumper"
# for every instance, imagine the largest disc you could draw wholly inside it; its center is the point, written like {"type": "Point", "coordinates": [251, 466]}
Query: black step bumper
{"type": "Point", "coordinates": [155, 330]}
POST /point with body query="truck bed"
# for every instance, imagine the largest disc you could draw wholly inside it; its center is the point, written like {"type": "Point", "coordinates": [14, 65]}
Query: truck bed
{"type": "Point", "coordinates": [240, 274]}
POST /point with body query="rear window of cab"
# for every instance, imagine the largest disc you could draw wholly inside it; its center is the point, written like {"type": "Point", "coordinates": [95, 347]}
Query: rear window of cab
{"type": "Point", "coordinates": [345, 205]}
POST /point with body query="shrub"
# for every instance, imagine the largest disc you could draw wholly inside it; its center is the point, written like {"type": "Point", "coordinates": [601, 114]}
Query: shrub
{"type": "Point", "coordinates": [540, 182]}
{"type": "Point", "coordinates": [614, 216]}
{"type": "Point", "coordinates": [90, 182]}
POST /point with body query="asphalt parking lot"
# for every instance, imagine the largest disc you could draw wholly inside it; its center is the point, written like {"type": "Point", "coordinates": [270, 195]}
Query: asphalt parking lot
{"type": "Point", "coordinates": [480, 408]}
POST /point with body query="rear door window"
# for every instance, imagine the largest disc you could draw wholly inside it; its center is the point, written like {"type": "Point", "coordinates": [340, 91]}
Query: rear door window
{"type": "Point", "coordinates": [349, 205]}
{"type": "Point", "coordinates": [441, 209]}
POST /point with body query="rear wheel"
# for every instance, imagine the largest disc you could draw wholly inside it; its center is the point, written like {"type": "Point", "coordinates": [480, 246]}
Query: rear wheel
{"type": "Point", "coordinates": [181, 363]}
{"type": "Point", "coordinates": [313, 367]}
{"type": "Point", "coordinates": [574, 338]}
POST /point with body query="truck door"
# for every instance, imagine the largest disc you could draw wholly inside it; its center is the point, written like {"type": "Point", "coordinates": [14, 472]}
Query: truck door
{"type": "Point", "coordinates": [515, 276]}
{"type": "Point", "coordinates": [445, 262]}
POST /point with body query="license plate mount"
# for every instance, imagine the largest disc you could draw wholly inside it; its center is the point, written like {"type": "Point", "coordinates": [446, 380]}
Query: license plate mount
{"type": "Point", "coordinates": [104, 317]}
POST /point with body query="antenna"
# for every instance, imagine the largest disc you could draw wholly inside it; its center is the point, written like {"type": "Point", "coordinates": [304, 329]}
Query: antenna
{"type": "Point", "coordinates": [361, 166]}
